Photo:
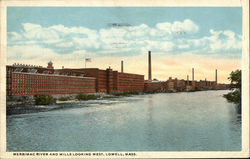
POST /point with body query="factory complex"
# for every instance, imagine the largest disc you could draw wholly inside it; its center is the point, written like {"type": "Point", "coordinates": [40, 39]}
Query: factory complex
{"type": "Point", "coordinates": [26, 80]}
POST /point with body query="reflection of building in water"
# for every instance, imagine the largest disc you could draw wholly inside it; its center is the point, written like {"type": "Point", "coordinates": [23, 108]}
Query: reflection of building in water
{"type": "Point", "coordinates": [150, 122]}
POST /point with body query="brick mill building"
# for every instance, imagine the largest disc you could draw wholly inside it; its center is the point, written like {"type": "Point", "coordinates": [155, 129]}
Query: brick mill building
{"type": "Point", "coordinates": [30, 80]}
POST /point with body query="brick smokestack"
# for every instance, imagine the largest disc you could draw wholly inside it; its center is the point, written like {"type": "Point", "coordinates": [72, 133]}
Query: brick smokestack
{"type": "Point", "coordinates": [149, 66]}
{"type": "Point", "coordinates": [216, 75]}
{"type": "Point", "coordinates": [192, 74]}
{"type": "Point", "coordinates": [122, 66]}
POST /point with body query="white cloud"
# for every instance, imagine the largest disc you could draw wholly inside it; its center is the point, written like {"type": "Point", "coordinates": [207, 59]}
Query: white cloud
{"type": "Point", "coordinates": [29, 27]}
{"type": "Point", "coordinates": [183, 46]}
{"type": "Point", "coordinates": [65, 44]}
{"type": "Point", "coordinates": [85, 43]}
{"type": "Point", "coordinates": [229, 34]}
{"type": "Point", "coordinates": [227, 42]}
{"type": "Point", "coordinates": [187, 26]}
{"type": "Point", "coordinates": [13, 36]}
{"type": "Point", "coordinates": [163, 37]}
{"type": "Point", "coordinates": [165, 26]}
{"type": "Point", "coordinates": [37, 32]}
{"type": "Point", "coordinates": [31, 52]}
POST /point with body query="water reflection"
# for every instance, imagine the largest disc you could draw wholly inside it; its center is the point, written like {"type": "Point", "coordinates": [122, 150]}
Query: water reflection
{"type": "Point", "coordinates": [150, 124]}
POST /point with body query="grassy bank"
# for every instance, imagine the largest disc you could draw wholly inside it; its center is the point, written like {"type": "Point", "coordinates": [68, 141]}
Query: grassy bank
{"type": "Point", "coordinates": [125, 93]}
{"type": "Point", "coordinates": [64, 98]}
{"type": "Point", "coordinates": [87, 96]}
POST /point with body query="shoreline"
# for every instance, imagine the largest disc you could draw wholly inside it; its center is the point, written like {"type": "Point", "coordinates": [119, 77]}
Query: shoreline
{"type": "Point", "coordinates": [26, 104]}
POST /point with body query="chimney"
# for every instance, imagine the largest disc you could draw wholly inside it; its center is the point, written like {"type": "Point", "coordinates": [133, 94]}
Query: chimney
{"type": "Point", "coordinates": [187, 78]}
{"type": "Point", "coordinates": [192, 74]}
{"type": "Point", "coordinates": [216, 75]}
{"type": "Point", "coordinates": [122, 66]}
{"type": "Point", "coordinates": [149, 66]}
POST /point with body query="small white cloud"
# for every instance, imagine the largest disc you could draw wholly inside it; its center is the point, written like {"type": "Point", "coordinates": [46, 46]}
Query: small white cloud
{"type": "Point", "coordinates": [164, 26]}
{"type": "Point", "coordinates": [185, 26]}
{"type": "Point", "coordinates": [190, 26]}
{"type": "Point", "coordinates": [65, 44]}
{"type": "Point", "coordinates": [85, 43]}
{"type": "Point", "coordinates": [37, 32]}
{"type": "Point", "coordinates": [183, 46]}
{"type": "Point", "coordinates": [229, 34]}
{"type": "Point", "coordinates": [13, 36]}
{"type": "Point", "coordinates": [29, 26]}
{"type": "Point", "coordinates": [31, 52]}
{"type": "Point", "coordinates": [227, 43]}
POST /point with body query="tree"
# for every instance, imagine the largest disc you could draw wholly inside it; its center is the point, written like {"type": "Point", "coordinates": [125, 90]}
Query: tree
{"type": "Point", "coordinates": [235, 78]}
{"type": "Point", "coordinates": [235, 95]}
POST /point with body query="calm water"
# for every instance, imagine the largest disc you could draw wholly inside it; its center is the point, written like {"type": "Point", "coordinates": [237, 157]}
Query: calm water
{"type": "Point", "coordinates": [156, 122]}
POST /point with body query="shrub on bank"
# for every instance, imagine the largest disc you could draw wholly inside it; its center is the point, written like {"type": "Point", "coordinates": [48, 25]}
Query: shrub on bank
{"type": "Point", "coordinates": [44, 99]}
{"type": "Point", "coordinates": [126, 93]}
{"type": "Point", "coordinates": [235, 95]}
{"type": "Point", "coordinates": [64, 98]}
{"type": "Point", "coordinates": [86, 96]}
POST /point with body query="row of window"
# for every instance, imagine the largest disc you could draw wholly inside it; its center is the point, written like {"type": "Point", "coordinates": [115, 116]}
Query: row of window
{"type": "Point", "coordinates": [59, 91]}
{"type": "Point", "coordinates": [51, 86]}
{"type": "Point", "coordinates": [25, 76]}
{"type": "Point", "coordinates": [66, 84]}
{"type": "Point", "coordinates": [50, 82]}
{"type": "Point", "coordinates": [47, 78]}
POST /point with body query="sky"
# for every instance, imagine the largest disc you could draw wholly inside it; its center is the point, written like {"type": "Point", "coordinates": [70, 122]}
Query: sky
{"type": "Point", "coordinates": [180, 38]}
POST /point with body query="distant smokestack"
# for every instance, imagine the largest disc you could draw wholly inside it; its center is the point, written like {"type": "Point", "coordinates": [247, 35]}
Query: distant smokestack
{"type": "Point", "coordinates": [187, 78]}
{"type": "Point", "coordinates": [216, 75]}
{"type": "Point", "coordinates": [121, 66]}
{"type": "Point", "coordinates": [149, 66]}
{"type": "Point", "coordinates": [192, 74]}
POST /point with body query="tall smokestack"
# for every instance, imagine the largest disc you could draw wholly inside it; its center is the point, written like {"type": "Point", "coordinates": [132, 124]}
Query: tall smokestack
{"type": "Point", "coordinates": [216, 75]}
{"type": "Point", "coordinates": [192, 74]}
{"type": "Point", "coordinates": [187, 78]}
{"type": "Point", "coordinates": [149, 66]}
{"type": "Point", "coordinates": [122, 66]}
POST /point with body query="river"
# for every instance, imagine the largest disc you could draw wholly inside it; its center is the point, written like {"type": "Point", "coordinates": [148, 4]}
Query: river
{"type": "Point", "coordinates": [194, 121]}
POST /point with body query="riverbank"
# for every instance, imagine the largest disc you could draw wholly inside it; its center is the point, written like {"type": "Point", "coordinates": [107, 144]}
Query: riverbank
{"type": "Point", "coordinates": [27, 104]}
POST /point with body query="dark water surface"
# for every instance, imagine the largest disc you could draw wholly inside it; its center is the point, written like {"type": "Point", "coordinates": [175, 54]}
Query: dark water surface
{"type": "Point", "coordinates": [194, 121]}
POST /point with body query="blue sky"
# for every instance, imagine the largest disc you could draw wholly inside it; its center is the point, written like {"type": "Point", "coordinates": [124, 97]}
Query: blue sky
{"type": "Point", "coordinates": [218, 18]}
{"type": "Point", "coordinates": [65, 32]}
